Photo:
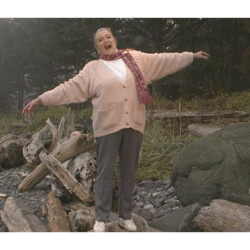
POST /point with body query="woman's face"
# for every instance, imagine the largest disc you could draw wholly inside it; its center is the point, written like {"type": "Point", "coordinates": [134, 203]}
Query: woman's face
{"type": "Point", "coordinates": [105, 42]}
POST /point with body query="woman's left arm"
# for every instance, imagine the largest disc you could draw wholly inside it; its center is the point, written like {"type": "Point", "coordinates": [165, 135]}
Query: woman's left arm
{"type": "Point", "coordinates": [158, 65]}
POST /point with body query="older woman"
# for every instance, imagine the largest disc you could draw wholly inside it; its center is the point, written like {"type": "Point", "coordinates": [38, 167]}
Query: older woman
{"type": "Point", "coordinates": [117, 85]}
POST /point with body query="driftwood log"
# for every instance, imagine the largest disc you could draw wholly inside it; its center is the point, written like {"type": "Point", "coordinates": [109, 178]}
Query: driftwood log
{"type": "Point", "coordinates": [201, 130]}
{"type": "Point", "coordinates": [182, 119]}
{"type": "Point", "coordinates": [57, 217]}
{"type": "Point", "coordinates": [65, 177]}
{"type": "Point", "coordinates": [76, 145]}
{"type": "Point", "coordinates": [224, 216]}
{"type": "Point", "coordinates": [11, 151]}
{"type": "Point", "coordinates": [81, 217]}
{"type": "Point", "coordinates": [19, 218]}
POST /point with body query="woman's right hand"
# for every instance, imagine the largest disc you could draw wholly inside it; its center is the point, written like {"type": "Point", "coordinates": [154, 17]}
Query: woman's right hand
{"type": "Point", "coordinates": [29, 109]}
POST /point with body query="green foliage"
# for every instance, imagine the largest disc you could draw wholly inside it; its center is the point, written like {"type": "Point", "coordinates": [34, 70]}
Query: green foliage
{"type": "Point", "coordinates": [53, 113]}
{"type": "Point", "coordinates": [159, 150]}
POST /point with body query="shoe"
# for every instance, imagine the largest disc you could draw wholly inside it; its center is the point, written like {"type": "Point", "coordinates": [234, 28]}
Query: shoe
{"type": "Point", "coordinates": [99, 226]}
{"type": "Point", "coordinates": [127, 224]}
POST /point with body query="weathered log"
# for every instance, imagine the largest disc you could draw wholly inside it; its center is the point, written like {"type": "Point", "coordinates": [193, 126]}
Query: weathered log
{"type": "Point", "coordinates": [19, 218]}
{"type": "Point", "coordinates": [224, 216]}
{"type": "Point", "coordinates": [33, 148]}
{"type": "Point", "coordinates": [76, 145]}
{"type": "Point", "coordinates": [57, 217]}
{"type": "Point", "coordinates": [55, 135]}
{"type": "Point", "coordinates": [11, 147]}
{"type": "Point", "coordinates": [66, 125]}
{"type": "Point", "coordinates": [65, 177]}
{"type": "Point", "coordinates": [201, 130]}
{"type": "Point", "coordinates": [80, 221]}
{"type": "Point", "coordinates": [187, 117]}
{"type": "Point", "coordinates": [79, 205]}
{"type": "Point", "coordinates": [81, 217]}
{"type": "Point", "coordinates": [83, 168]}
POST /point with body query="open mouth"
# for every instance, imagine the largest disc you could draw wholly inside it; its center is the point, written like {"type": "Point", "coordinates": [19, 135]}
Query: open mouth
{"type": "Point", "coordinates": [107, 47]}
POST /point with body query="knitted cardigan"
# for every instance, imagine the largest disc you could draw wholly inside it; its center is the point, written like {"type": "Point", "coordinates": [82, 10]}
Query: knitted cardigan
{"type": "Point", "coordinates": [115, 105]}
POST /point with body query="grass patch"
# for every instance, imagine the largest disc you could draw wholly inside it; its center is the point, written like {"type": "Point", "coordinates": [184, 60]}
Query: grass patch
{"type": "Point", "coordinates": [238, 101]}
{"type": "Point", "coordinates": [159, 150]}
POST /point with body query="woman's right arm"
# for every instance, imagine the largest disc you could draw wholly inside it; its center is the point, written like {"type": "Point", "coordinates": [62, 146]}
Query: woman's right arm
{"type": "Point", "coordinates": [29, 109]}
{"type": "Point", "coordinates": [75, 90]}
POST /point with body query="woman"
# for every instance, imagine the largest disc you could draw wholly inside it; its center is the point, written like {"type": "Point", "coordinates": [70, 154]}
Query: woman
{"type": "Point", "coordinates": [116, 83]}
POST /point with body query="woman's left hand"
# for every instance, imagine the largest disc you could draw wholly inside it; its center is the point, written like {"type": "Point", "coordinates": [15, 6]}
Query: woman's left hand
{"type": "Point", "coordinates": [201, 55]}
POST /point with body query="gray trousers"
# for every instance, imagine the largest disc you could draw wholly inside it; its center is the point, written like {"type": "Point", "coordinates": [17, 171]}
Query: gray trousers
{"type": "Point", "coordinates": [126, 144]}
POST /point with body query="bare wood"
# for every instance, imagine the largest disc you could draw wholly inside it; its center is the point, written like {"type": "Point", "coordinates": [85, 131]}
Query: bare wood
{"type": "Point", "coordinates": [18, 217]}
{"type": "Point", "coordinates": [188, 117]}
{"type": "Point", "coordinates": [78, 205]}
{"type": "Point", "coordinates": [201, 130]}
{"type": "Point", "coordinates": [44, 210]}
{"type": "Point", "coordinates": [80, 221]}
{"type": "Point", "coordinates": [224, 216]}
{"type": "Point", "coordinates": [11, 149]}
{"type": "Point", "coordinates": [65, 177]}
{"type": "Point", "coordinates": [55, 135]}
{"type": "Point", "coordinates": [66, 125]}
{"type": "Point", "coordinates": [36, 143]}
{"type": "Point", "coordinates": [57, 217]}
{"type": "Point", "coordinates": [3, 195]}
{"type": "Point", "coordinates": [31, 150]}
{"type": "Point", "coordinates": [76, 145]}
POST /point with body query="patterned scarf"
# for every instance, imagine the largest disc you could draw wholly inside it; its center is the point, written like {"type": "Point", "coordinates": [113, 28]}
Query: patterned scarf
{"type": "Point", "coordinates": [142, 90]}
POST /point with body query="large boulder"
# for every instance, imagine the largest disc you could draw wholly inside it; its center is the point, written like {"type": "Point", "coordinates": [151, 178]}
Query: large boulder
{"type": "Point", "coordinates": [216, 166]}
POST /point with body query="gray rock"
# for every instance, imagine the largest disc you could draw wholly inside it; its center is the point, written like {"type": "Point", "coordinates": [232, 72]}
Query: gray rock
{"type": "Point", "coordinates": [148, 206]}
{"type": "Point", "coordinates": [169, 191]}
{"type": "Point", "coordinates": [153, 210]}
{"type": "Point", "coordinates": [139, 204]}
{"type": "Point", "coordinates": [216, 166]}
{"type": "Point", "coordinates": [156, 194]}
{"type": "Point", "coordinates": [143, 193]}
{"type": "Point", "coordinates": [136, 197]}
{"type": "Point", "coordinates": [157, 204]}
{"type": "Point", "coordinates": [178, 221]}
{"type": "Point", "coordinates": [167, 182]}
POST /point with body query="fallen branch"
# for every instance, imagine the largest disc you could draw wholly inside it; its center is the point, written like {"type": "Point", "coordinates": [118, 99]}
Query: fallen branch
{"type": "Point", "coordinates": [57, 218]}
{"type": "Point", "coordinates": [65, 177]}
{"type": "Point", "coordinates": [76, 145]}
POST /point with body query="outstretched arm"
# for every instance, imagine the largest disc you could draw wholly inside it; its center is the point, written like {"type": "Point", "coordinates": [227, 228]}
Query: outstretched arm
{"type": "Point", "coordinates": [29, 109]}
{"type": "Point", "coordinates": [201, 55]}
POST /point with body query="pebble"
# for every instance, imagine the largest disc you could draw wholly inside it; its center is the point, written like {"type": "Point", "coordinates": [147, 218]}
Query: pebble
{"type": "Point", "coordinates": [155, 201]}
{"type": "Point", "coordinates": [149, 206]}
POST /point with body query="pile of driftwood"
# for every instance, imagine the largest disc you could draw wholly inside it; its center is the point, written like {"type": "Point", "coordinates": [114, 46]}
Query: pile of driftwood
{"type": "Point", "coordinates": [67, 156]}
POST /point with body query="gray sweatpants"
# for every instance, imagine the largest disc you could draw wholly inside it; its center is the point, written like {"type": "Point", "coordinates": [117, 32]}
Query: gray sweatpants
{"type": "Point", "coordinates": [126, 143]}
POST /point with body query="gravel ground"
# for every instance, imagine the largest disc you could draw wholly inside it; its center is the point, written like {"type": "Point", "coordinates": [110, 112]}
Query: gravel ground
{"type": "Point", "coordinates": [34, 198]}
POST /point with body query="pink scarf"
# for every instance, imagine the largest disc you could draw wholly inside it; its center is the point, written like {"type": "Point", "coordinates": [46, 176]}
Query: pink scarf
{"type": "Point", "coordinates": [142, 90]}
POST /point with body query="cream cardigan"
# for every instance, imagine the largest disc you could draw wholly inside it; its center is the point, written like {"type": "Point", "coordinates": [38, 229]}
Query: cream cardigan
{"type": "Point", "coordinates": [115, 105]}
